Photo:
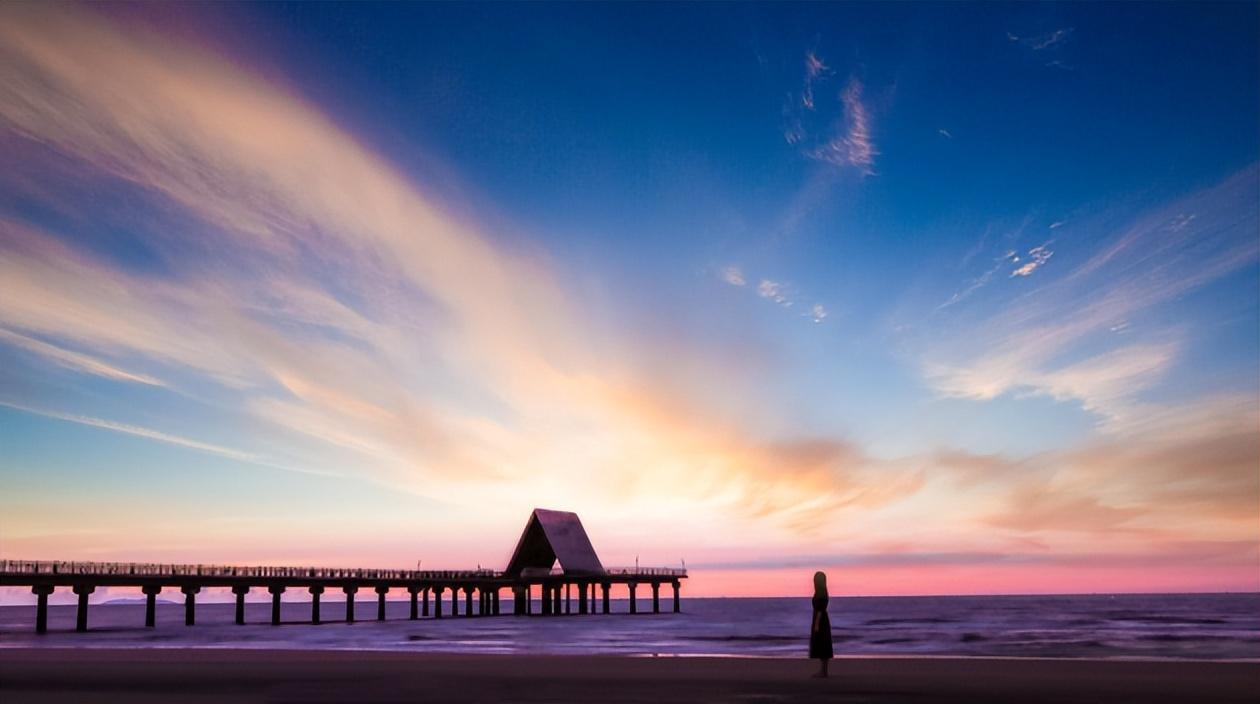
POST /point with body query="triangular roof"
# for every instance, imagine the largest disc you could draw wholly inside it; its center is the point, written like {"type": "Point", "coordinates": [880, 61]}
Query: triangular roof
{"type": "Point", "coordinates": [550, 536]}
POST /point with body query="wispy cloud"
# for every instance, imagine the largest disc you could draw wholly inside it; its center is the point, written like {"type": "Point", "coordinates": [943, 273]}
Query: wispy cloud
{"type": "Point", "coordinates": [778, 292]}
{"type": "Point", "coordinates": [332, 305]}
{"type": "Point", "coordinates": [1034, 260]}
{"type": "Point", "coordinates": [75, 360]}
{"type": "Point", "coordinates": [774, 291]}
{"type": "Point", "coordinates": [797, 106]}
{"type": "Point", "coordinates": [1046, 41]}
{"type": "Point", "coordinates": [733, 275]}
{"type": "Point", "coordinates": [150, 434]}
{"type": "Point", "coordinates": [945, 133]}
{"type": "Point", "coordinates": [853, 146]}
{"type": "Point", "coordinates": [842, 139]}
{"type": "Point", "coordinates": [1042, 42]}
{"type": "Point", "coordinates": [814, 69]}
{"type": "Point", "coordinates": [980, 281]}
{"type": "Point", "coordinates": [1181, 221]}
{"type": "Point", "coordinates": [1198, 457]}
{"type": "Point", "coordinates": [1033, 345]}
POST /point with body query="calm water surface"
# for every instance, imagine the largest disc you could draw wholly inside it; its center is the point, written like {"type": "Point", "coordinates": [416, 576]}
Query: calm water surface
{"type": "Point", "coordinates": [1200, 626]}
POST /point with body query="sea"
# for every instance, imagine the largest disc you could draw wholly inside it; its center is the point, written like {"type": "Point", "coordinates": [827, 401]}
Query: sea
{"type": "Point", "coordinates": [1109, 626]}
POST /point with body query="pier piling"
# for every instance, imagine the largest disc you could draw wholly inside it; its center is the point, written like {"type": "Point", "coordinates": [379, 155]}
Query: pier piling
{"type": "Point", "coordinates": [150, 592]}
{"type": "Point", "coordinates": [190, 603]}
{"type": "Point", "coordinates": [415, 602]}
{"type": "Point", "coordinates": [81, 618]}
{"type": "Point", "coordinates": [41, 592]}
{"type": "Point", "coordinates": [349, 602]}
{"type": "Point", "coordinates": [275, 590]}
{"type": "Point", "coordinates": [381, 591]}
{"type": "Point", "coordinates": [240, 591]}
{"type": "Point", "coordinates": [315, 592]}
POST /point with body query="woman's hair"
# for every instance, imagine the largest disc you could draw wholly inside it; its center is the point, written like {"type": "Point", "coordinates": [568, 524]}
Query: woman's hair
{"type": "Point", "coordinates": [820, 584]}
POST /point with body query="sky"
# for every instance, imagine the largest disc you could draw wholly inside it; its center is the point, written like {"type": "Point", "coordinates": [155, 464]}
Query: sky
{"type": "Point", "coordinates": [941, 299]}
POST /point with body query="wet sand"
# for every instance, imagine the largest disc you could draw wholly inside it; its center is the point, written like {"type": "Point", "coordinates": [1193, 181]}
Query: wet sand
{"type": "Point", "coordinates": [200, 675]}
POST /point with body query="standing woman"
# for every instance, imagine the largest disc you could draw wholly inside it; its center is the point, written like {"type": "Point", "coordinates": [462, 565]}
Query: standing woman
{"type": "Point", "coordinates": [820, 632]}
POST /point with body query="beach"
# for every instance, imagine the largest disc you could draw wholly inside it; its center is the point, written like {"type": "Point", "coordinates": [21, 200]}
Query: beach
{"type": "Point", "coordinates": [211, 675]}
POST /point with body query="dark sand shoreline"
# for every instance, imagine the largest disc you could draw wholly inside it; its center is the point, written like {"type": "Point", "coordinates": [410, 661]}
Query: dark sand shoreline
{"type": "Point", "coordinates": [212, 675]}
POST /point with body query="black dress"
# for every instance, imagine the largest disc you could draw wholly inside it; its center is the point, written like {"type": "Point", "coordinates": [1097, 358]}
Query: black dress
{"type": "Point", "coordinates": [820, 640]}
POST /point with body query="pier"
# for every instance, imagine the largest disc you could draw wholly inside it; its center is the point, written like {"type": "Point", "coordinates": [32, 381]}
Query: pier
{"type": "Point", "coordinates": [553, 559]}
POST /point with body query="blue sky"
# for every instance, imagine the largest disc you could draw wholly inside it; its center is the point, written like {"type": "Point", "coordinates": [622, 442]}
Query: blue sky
{"type": "Point", "coordinates": [785, 274]}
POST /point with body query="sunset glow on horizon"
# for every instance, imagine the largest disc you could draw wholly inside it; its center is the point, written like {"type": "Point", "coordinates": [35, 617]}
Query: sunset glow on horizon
{"type": "Point", "coordinates": [938, 313]}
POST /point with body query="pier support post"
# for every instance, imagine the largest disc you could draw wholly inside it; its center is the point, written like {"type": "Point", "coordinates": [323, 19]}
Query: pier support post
{"type": "Point", "coordinates": [555, 607]}
{"type": "Point", "coordinates": [315, 592]}
{"type": "Point", "coordinates": [150, 592]}
{"type": "Point", "coordinates": [677, 604]}
{"type": "Point", "coordinates": [240, 591]}
{"type": "Point", "coordinates": [606, 587]}
{"type": "Point", "coordinates": [424, 607]}
{"type": "Point", "coordinates": [545, 598]}
{"type": "Point", "coordinates": [190, 603]}
{"type": "Point", "coordinates": [381, 591]}
{"type": "Point", "coordinates": [656, 597]}
{"type": "Point", "coordinates": [454, 601]}
{"type": "Point", "coordinates": [468, 607]}
{"type": "Point", "coordinates": [437, 601]}
{"type": "Point", "coordinates": [415, 602]}
{"type": "Point", "coordinates": [494, 602]}
{"type": "Point", "coordinates": [41, 592]}
{"type": "Point", "coordinates": [634, 607]}
{"type": "Point", "coordinates": [275, 590]}
{"type": "Point", "coordinates": [568, 601]}
{"type": "Point", "coordinates": [349, 602]}
{"type": "Point", "coordinates": [80, 623]}
{"type": "Point", "coordinates": [582, 598]}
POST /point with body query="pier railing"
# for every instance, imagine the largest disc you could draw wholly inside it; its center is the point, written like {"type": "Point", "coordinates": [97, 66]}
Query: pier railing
{"type": "Point", "coordinates": [646, 571]}
{"type": "Point", "coordinates": [156, 569]}
{"type": "Point", "coordinates": [159, 570]}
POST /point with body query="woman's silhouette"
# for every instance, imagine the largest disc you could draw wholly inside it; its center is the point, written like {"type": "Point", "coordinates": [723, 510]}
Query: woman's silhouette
{"type": "Point", "coordinates": [820, 631]}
